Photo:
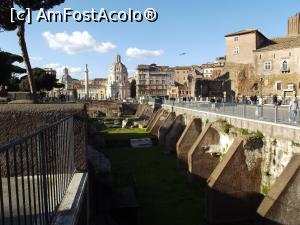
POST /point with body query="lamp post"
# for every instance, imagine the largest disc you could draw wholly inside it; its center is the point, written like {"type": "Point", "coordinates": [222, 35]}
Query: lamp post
{"type": "Point", "coordinates": [190, 79]}
{"type": "Point", "coordinates": [261, 97]}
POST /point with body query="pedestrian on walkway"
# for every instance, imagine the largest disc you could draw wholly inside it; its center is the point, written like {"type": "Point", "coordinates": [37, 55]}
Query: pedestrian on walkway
{"type": "Point", "coordinates": [213, 104]}
{"type": "Point", "coordinates": [275, 100]}
{"type": "Point", "coordinates": [293, 109]}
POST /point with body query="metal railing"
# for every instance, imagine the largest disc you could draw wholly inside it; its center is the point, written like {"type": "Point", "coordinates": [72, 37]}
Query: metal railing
{"type": "Point", "coordinates": [269, 113]}
{"type": "Point", "coordinates": [35, 172]}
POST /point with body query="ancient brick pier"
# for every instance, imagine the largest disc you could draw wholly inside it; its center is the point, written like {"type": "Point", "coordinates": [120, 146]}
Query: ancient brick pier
{"type": "Point", "coordinates": [251, 167]}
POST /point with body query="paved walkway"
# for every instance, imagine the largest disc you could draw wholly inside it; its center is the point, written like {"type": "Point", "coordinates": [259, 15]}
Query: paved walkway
{"type": "Point", "coordinates": [267, 113]}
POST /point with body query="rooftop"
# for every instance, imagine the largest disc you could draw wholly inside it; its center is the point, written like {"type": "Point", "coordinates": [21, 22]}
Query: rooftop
{"type": "Point", "coordinates": [281, 43]}
{"type": "Point", "coordinates": [245, 31]}
{"type": "Point", "coordinates": [154, 67]}
{"type": "Point", "coordinates": [183, 67]}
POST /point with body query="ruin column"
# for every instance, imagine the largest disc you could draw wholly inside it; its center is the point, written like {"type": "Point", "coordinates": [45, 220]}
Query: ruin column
{"type": "Point", "coordinates": [86, 76]}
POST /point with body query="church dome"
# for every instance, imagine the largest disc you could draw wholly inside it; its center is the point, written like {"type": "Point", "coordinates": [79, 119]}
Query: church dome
{"type": "Point", "coordinates": [66, 79]}
{"type": "Point", "coordinates": [117, 84]}
{"type": "Point", "coordinates": [118, 66]}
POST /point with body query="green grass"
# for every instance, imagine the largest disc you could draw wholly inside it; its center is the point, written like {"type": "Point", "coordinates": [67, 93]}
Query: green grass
{"type": "Point", "coordinates": [165, 195]}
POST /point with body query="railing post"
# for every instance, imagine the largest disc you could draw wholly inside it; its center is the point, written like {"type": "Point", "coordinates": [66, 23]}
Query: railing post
{"type": "Point", "coordinates": [276, 113]}
{"type": "Point", "coordinates": [262, 110]}
{"type": "Point", "coordinates": [44, 176]}
{"type": "Point", "coordinates": [71, 136]}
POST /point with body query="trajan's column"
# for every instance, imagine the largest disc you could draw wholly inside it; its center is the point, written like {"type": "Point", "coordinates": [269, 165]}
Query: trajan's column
{"type": "Point", "coordinates": [86, 76]}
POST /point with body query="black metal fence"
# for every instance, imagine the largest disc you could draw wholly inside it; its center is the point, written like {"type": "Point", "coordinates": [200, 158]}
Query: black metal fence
{"type": "Point", "coordinates": [35, 172]}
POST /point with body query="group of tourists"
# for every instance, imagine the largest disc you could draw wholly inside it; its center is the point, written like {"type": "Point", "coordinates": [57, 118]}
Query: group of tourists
{"type": "Point", "coordinates": [293, 106]}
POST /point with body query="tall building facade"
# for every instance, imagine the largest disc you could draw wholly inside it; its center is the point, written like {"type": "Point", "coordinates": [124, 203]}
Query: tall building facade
{"type": "Point", "coordinates": [97, 89]}
{"type": "Point", "coordinates": [183, 77]}
{"type": "Point", "coordinates": [153, 80]}
{"type": "Point", "coordinates": [118, 86]}
{"type": "Point", "coordinates": [265, 66]}
{"type": "Point", "coordinates": [240, 45]}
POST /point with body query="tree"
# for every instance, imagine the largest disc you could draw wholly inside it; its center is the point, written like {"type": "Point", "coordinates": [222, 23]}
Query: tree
{"type": "Point", "coordinates": [13, 84]}
{"type": "Point", "coordinates": [44, 81]}
{"type": "Point", "coordinates": [7, 68]}
{"type": "Point", "coordinates": [7, 25]}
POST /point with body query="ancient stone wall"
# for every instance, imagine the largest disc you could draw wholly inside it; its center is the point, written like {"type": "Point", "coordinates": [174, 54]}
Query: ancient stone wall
{"type": "Point", "coordinates": [282, 203]}
{"type": "Point", "coordinates": [165, 128]}
{"type": "Point", "coordinates": [242, 159]}
{"type": "Point", "coordinates": [159, 122]}
{"type": "Point", "coordinates": [174, 134]}
{"type": "Point", "coordinates": [187, 139]}
{"type": "Point", "coordinates": [234, 185]}
{"type": "Point", "coordinates": [242, 77]}
{"type": "Point", "coordinates": [17, 121]}
{"type": "Point", "coordinates": [201, 162]}
{"type": "Point", "coordinates": [110, 109]}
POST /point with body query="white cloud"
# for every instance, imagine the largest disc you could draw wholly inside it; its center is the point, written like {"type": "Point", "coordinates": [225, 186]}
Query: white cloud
{"type": "Point", "coordinates": [76, 42]}
{"type": "Point", "coordinates": [36, 58]}
{"type": "Point", "coordinates": [143, 53]}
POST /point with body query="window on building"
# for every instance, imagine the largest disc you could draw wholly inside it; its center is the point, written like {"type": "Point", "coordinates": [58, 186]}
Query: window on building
{"type": "Point", "coordinates": [236, 38]}
{"type": "Point", "coordinates": [157, 81]}
{"type": "Point", "coordinates": [278, 85]}
{"type": "Point", "coordinates": [151, 81]}
{"type": "Point", "coordinates": [117, 77]}
{"type": "Point", "coordinates": [285, 66]}
{"type": "Point", "coordinates": [163, 81]}
{"type": "Point", "coordinates": [255, 86]}
{"type": "Point", "coordinates": [236, 50]}
{"type": "Point", "coordinates": [268, 65]}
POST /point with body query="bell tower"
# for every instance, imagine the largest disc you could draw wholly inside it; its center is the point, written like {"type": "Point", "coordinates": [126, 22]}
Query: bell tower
{"type": "Point", "coordinates": [294, 25]}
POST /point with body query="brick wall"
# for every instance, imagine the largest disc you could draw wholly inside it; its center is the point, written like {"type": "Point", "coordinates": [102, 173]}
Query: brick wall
{"type": "Point", "coordinates": [17, 121]}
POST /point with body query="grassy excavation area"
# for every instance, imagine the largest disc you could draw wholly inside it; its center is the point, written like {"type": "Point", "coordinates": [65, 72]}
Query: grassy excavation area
{"type": "Point", "coordinates": [165, 195]}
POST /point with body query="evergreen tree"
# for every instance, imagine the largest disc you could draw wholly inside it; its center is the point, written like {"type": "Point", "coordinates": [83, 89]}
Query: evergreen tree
{"type": "Point", "coordinates": [7, 25]}
{"type": "Point", "coordinates": [7, 69]}
{"type": "Point", "coordinates": [44, 81]}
